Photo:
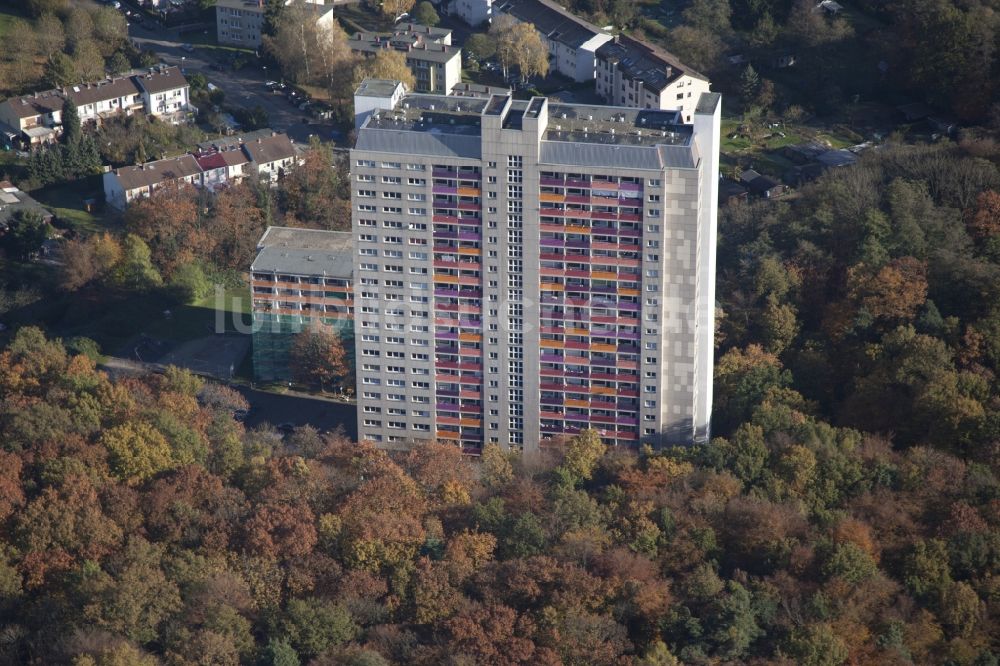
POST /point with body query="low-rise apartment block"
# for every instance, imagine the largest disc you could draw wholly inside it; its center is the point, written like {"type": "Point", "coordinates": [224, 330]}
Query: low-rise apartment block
{"type": "Point", "coordinates": [299, 277]}
{"type": "Point", "coordinates": [266, 156]}
{"type": "Point", "coordinates": [435, 63]}
{"type": "Point", "coordinates": [572, 41]}
{"type": "Point", "coordinates": [241, 22]}
{"type": "Point", "coordinates": [642, 76]}
{"type": "Point", "coordinates": [161, 92]}
{"type": "Point", "coordinates": [526, 269]}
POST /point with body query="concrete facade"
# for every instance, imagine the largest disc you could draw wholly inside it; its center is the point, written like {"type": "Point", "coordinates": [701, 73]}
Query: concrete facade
{"type": "Point", "coordinates": [526, 269]}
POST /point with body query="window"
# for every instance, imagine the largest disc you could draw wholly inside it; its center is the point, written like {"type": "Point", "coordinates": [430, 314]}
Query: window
{"type": "Point", "coordinates": [366, 163]}
{"type": "Point", "coordinates": [366, 178]}
{"type": "Point", "coordinates": [392, 195]}
{"type": "Point", "coordinates": [391, 180]}
{"type": "Point", "coordinates": [391, 165]}
{"type": "Point", "coordinates": [366, 194]}
{"type": "Point", "coordinates": [653, 212]}
{"type": "Point", "coordinates": [372, 395]}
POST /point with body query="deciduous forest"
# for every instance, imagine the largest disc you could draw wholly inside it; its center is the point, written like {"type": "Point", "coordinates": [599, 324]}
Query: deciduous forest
{"type": "Point", "coordinates": [847, 512]}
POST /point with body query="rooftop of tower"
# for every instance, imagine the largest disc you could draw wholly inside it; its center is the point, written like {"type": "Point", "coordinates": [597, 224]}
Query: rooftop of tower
{"type": "Point", "coordinates": [576, 123]}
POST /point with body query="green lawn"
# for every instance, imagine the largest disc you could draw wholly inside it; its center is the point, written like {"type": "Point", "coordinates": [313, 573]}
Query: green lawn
{"type": "Point", "coordinates": [66, 200]}
{"type": "Point", "coordinates": [7, 16]}
{"type": "Point", "coordinates": [113, 321]}
{"type": "Point", "coordinates": [212, 314]}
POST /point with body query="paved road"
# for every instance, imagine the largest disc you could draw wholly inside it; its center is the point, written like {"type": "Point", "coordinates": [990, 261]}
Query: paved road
{"type": "Point", "coordinates": [324, 415]}
{"type": "Point", "coordinates": [244, 87]}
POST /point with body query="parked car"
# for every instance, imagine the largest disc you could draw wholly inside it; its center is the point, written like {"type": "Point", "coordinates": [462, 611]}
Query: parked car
{"type": "Point", "coordinates": [218, 66]}
{"type": "Point", "coordinates": [187, 47]}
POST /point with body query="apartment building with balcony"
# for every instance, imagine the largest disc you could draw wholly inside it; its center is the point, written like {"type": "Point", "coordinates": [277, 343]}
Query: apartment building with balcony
{"type": "Point", "coordinates": [526, 269]}
{"type": "Point", "coordinates": [300, 276]}
{"type": "Point", "coordinates": [241, 22]}
{"type": "Point", "coordinates": [643, 76]}
{"type": "Point", "coordinates": [435, 63]}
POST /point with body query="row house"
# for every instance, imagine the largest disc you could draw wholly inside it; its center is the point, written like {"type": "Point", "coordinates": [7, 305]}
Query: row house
{"type": "Point", "coordinates": [161, 92]}
{"type": "Point", "coordinates": [267, 158]}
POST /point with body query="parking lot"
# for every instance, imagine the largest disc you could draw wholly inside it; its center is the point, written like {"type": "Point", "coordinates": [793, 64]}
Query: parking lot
{"type": "Point", "coordinates": [243, 87]}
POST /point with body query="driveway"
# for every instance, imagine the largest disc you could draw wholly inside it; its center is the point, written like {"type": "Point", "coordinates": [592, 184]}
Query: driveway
{"type": "Point", "coordinates": [244, 87]}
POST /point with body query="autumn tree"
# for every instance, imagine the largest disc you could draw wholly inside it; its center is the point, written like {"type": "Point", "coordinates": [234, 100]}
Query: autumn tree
{"type": "Point", "coordinates": [519, 45]}
{"type": "Point", "coordinates": [393, 8]}
{"type": "Point", "coordinates": [169, 223]}
{"type": "Point", "coordinates": [983, 221]}
{"type": "Point", "coordinates": [893, 292]}
{"type": "Point", "coordinates": [386, 64]}
{"type": "Point", "coordinates": [309, 52]}
{"type": "Point", "coordinates": [316, 194]}
{"type": "Point", "coordinates": [318, 358]}
{"type": "Point", "coordinates": [89, 259]}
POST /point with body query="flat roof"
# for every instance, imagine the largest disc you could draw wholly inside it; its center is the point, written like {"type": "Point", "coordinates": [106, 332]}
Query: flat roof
{"type": "Point", "coordinates": [305, 252]}
{"type": "Point", "coordinates": [566, 122]}
{"type": "Point", "coordinates": [377, 88]}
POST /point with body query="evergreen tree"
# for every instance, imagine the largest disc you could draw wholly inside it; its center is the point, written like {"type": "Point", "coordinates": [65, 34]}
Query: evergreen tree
{"type": "Point", "coordinates": [72, 131]}
{"type": "Point", "coordinates": [749, 83]}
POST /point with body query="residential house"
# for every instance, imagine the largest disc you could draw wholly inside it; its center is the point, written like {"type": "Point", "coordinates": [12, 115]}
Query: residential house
{"type": "Point", "coordinates": [221, 167]}
{"type": "Point", "coordinates": [32, 120]}
{"type": "Point", "coordinates": [165, 92]}
{"type": "Point", "coordinates": [635, 74]}
{"type": "Point", "coordinates": [762, 186]}
{"type": "Point", "coordinates": [270, 157]}
{"type": "Point", "coordinates": [161, 92]}
{"type": "Point", "coordinates": [572, 41]}
{"type": "Point", "coordinates": [96, 101]}
{"type": "Point", "coordinates": [435, 63]}
{"type": "Point", "coordinates": [125, 185]}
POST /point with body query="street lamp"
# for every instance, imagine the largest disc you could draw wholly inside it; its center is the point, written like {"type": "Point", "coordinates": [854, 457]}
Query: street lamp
{"type": "Point", "coordinates": [182, 65]}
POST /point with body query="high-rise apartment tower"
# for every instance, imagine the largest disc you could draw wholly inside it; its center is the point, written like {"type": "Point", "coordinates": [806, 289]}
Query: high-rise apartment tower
{"type": "Point", "coordinates": [529, 268]}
